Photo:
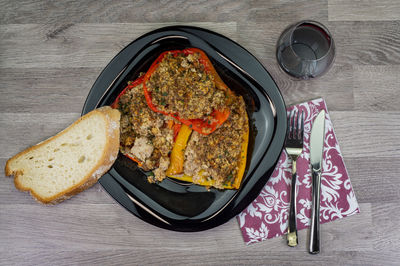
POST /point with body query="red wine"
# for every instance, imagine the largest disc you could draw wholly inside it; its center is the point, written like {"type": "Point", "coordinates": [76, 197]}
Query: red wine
{"type": "Point", "coordinates": [305, 51]}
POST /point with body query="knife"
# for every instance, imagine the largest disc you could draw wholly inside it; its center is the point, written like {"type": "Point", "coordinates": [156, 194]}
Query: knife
{"type": "Point", "coordinates": [316, 150]}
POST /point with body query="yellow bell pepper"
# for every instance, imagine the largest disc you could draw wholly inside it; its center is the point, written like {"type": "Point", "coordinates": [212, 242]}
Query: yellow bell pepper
{"type": "Point", "coordinates": [177, 157]}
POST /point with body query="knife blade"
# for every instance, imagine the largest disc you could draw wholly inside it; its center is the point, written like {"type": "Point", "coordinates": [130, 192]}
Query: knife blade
{"type": "Point", "coordinates": [316, 151]}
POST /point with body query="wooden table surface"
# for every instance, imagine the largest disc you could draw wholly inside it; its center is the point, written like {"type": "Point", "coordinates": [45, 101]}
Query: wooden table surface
{"type": "Point", "coordinates": [51, 53]}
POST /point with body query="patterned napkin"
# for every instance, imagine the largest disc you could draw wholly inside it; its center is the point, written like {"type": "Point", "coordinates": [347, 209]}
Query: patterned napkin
{"type": "Point", "coordinates": [267, 216]}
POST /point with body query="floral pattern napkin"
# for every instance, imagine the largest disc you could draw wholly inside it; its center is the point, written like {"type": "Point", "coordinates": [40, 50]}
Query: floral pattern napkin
{"type": "Point", "coordinates": [267, 216]}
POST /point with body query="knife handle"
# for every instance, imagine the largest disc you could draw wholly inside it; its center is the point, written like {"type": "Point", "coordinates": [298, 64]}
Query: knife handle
{"type": "Point", "coordinates": [314, 233]}
{"type": "Point", "coordinates": [292, 239]}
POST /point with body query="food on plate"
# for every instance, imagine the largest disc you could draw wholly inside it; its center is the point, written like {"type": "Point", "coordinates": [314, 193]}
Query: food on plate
{"type": "Point", "coordinates": [180, 120]}
{"type": "Point", "coordinates": [71, 161]}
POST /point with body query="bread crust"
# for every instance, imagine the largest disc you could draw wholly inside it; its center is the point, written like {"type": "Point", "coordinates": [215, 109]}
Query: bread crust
{"type": "Point", "coordinates": [112, 117]}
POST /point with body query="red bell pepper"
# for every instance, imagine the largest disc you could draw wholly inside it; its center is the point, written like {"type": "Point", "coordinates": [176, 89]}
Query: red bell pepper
{"type": "Point", "coordinates": [203, 126]}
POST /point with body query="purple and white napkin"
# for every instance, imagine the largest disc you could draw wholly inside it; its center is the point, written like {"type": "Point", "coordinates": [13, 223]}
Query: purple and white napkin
{"type": "Point", "coordinates": [267, 216]}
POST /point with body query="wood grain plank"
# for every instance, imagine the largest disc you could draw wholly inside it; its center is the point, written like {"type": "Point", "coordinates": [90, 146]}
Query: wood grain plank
{"type": "Point", "coordinates": [367, 134]}
{"type": "Point", "coordinates": [123, 240]}
{"type": "Point", "coordinates": [363, 10]}
{"type": "Point", "coordinates": [260, 38]}
{"type": "Point", "coordinates": [54, 226]}
{"type": "Point", "coordinates": [50, 90]}
{"type": "Point", "coordinates": [51, 46]}
{"type": "Point", "coordinates": [29, 11]}
{"type": "Point", "coordinates": [138, 257]}
{"type": "Point", "coordinates": [385, 219]}
{"type": "Point", "coordinates": [48, 12]}
{"type": "Point", "coordinates": [376, 88]}
{"type": "Point", "coordinates": [366, 42]}
{"type": "Point", "coordinates": [289, 11]}
{"type": "Point", "coordinates": [374, 179]}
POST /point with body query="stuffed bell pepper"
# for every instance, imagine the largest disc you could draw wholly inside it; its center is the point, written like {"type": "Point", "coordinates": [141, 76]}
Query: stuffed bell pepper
{"type": "Point", "coordinates": [180, 120]}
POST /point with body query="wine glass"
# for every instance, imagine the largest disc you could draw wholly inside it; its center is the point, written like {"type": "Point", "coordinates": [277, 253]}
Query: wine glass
{"type": "Point", "coordinates": [305, 50]}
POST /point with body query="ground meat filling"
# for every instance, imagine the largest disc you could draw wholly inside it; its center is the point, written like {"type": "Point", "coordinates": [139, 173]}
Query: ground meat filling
{"type": "Point", "coordinates": [144, 134]}
{"type": "Point", "coordinates": [216, 155]}
{"type": "Point", "coordinates": [181, 85]}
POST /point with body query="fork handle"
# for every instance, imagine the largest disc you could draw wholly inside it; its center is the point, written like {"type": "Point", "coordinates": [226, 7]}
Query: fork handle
{"type": "Point", "coordinates": [292, 239]}
{"type": "Point", "coordinates": [314, 233]}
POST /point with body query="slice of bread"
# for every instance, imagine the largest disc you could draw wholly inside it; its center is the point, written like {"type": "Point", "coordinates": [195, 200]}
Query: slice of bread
{"type": "Point", "coordinates": [71, 161]}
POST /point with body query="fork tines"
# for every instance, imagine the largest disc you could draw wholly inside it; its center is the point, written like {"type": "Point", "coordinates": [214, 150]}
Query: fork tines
{"type": "Point", "coordinates": [295, 130]}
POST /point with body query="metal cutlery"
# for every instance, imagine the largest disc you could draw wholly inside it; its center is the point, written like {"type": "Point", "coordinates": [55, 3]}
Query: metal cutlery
{"type": "Point", "coordinates": [316, 151]}
{"type": "Point", "coordinates": [294, 147]}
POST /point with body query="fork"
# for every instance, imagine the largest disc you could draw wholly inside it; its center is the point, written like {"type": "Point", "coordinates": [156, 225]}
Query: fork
{"type": "Point", "coordinates": [294, 147]}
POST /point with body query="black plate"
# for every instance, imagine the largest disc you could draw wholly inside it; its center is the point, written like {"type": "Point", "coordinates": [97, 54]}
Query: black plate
{"type": "Point", "coordinates": [182, 206]}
